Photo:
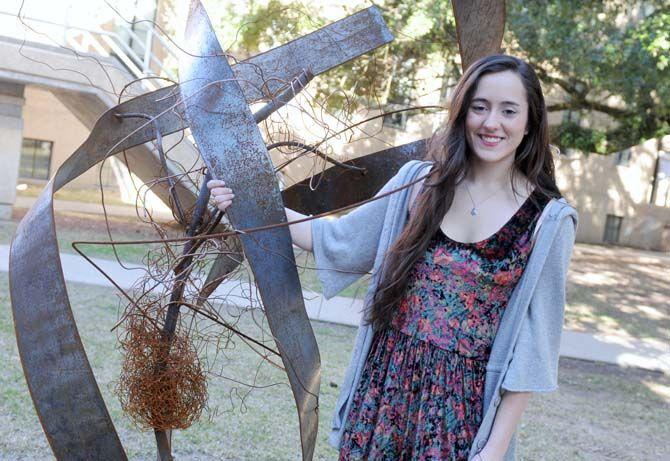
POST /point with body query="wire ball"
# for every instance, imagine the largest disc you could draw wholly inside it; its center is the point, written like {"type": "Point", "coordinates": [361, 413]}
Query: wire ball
{"type": "Point", "coordinates": [162, 385]}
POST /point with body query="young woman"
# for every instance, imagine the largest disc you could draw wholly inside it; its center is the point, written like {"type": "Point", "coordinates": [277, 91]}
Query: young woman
{"type": "Point", "coordinates": [465, 306]}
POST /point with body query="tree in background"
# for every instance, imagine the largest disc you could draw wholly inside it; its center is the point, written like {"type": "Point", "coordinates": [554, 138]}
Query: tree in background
{"type": "Point", "coordinates": [425, 32]}
{"type": "Point", "coordinates": [609, 58]}
{"type": "Point", "coordinates": [605, 64]}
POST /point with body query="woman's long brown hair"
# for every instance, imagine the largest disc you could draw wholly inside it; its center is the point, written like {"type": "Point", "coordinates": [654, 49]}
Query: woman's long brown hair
{"type": "Point", "coordinates": [449, 151]}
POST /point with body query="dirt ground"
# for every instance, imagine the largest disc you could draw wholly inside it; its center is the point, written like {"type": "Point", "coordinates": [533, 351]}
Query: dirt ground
{"type": "Point", "coordinates": [619, 290]}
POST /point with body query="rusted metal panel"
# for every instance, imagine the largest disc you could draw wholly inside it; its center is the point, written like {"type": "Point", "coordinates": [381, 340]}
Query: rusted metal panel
{"type": "Point", "coordinates": [348, 38]}
{"type": "Point", "coordinates": [233, 149]}
{"type": "Point", "coordinates": [480, 25]}
{"type": "Point", "coordinates": [337, 187]}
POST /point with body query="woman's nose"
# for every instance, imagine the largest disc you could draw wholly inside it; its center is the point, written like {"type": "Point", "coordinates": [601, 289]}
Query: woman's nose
{"type": "Point", "coordinates": [492, 121]}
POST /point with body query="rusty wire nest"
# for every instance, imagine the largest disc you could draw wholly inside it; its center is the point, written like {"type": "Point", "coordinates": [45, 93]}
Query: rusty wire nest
{"type": "Point", "coordinates": [162, 384]}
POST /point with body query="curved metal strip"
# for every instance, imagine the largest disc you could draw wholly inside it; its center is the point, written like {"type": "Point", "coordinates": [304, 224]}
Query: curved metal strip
{"type": "Point", "coordinates": [61, 382]}
{"type": "Point", "coordinates": [318, 51]}
{"type": "Point", "coordinates": [329, 185]}
{"type": "Point", "coordinates": [232, 147]}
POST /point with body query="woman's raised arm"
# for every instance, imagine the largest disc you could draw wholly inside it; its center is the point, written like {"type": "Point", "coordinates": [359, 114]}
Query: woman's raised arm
{"type": "Point", "coordinates": [301, 233]}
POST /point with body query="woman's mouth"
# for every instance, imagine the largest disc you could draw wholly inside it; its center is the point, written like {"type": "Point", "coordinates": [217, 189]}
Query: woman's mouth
{"type": "Point", "coordinates": [490, 141]}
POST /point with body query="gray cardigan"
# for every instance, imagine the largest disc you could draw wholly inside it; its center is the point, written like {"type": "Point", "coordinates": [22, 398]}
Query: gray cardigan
{"type": "Point", "coordinates": [524, 355]}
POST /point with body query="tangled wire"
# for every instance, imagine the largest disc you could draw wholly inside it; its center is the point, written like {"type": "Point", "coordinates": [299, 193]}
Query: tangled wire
{"type": "Point", "coordinates": [162, 384]}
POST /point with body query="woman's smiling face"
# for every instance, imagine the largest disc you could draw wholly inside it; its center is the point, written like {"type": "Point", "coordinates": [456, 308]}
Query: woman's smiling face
{"type": "Point", "coordinates": [497, 117]}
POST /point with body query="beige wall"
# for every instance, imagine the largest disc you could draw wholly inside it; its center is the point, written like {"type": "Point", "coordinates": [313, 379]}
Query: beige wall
{"type": "Point", "coordinates": [46, 119]}
{"type": "Point", "coordinates": [598, 187]}
{"type": "Point", "coordinates": [164, 11]}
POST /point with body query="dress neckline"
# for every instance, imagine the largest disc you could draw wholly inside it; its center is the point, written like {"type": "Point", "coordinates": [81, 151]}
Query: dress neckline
{"type": "Point", "coordinates": [495, 234]}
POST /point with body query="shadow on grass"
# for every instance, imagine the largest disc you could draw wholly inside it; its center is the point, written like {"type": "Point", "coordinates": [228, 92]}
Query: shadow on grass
{"type": "Point", "coordinates": [619, 290]}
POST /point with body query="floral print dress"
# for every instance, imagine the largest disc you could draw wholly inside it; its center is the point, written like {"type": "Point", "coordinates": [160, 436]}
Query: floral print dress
{"type": "Point", "coordinates": [420, 396]}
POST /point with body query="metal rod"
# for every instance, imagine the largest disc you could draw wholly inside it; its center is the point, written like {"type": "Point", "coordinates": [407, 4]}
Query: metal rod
{"type": "Point", "coordinates": [163, 442]}
{"type": "Point", "coordinates": [307, 148]}
{"type": "Point", "coordinates": [182, 271]}
{"type": "Point", "coordinates": [285, 96]}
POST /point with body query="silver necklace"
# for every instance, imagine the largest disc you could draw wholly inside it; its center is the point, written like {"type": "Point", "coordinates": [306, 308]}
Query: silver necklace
{"type": "Point", "coordinates": [473, 211]}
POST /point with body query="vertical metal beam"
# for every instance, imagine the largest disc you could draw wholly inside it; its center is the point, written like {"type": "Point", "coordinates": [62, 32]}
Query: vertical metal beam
{"type": "Point", "coordinates": [233, 149]}
{"type": "Point", "coordinates": [480, 25]}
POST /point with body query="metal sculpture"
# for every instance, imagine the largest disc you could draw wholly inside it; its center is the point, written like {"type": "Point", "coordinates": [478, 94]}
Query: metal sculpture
{"type": "Point", "coordinates": [213, 101]}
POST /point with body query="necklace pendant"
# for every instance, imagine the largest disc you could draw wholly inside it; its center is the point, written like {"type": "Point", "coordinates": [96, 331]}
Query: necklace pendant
{"type": "Point", "coordinates": [473, 212]}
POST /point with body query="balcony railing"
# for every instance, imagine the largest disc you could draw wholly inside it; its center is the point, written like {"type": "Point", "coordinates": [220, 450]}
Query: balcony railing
{"type": "Point", "coordinates": [141, 60]}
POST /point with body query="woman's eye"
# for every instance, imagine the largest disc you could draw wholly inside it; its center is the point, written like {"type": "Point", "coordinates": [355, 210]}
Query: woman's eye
{"type": "Point", "coordinates": [478, 108]}
{"type": "Point", "coordinates": [509, 112]}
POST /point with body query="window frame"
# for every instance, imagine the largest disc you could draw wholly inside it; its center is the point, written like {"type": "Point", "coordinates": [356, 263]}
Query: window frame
{"type": "Point", "coordinates": [623, 157]}
{"type": "Point", "coordinates": [397, 120]}
{"type": "Point", "coordinates": [34, 146]}
{"type": "Point", "coordinates": [613, 225]}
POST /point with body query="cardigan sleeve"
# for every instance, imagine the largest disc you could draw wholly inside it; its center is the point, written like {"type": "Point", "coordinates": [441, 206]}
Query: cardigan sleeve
{"type": "Point", "coordinates": [534, 363]}
{"type": "Point", "coordinates": [345, 248]}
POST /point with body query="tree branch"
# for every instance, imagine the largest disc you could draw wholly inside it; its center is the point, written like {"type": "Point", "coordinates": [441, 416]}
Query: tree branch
{"type": "Point", "coordinates": [615, 112]}
{"type": "Point", "coordinates": [544, 75]}
{"type": "Point", "coordinates": [590, 105]}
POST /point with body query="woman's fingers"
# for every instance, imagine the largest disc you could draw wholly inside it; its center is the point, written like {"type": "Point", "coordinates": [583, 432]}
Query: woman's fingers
{"type": "Point", "coordinates": [221, 191]}
{"type": "Point", "coordinates": [223, 196]}
{"type": "Point", "coordinates": [222, 206]}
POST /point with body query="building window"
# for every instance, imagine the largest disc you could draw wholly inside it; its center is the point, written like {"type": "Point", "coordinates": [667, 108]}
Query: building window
{"type": "Point", "coordinates": [660, 184]}
{"type": "Point", "coordinates": [35, 159]}
{"type": "Point", "coordinates": [612, 228]}
{"type": "Point", "coordinates": [569, 152]}
{"type": "Point", "coordinates": [448, 85]}
{"type": "Point", "coordinates": [623, 157]}
{"type": "Point", "coordinates": [398, 100]}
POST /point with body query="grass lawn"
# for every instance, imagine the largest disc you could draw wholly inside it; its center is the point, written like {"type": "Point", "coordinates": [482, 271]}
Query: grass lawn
{"type": "Point", "coordinates": [72, 227]}
{"type": "Point", "coordinates": [74, 194]}
{"type": "Point", "coordinates": [77, 227]}
{"type": "Point", "coordinates": [600, 412]}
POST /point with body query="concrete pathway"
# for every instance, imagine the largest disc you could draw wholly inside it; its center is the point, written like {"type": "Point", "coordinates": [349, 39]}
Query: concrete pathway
{"type": "Point", "coordinates": [159, 211]}
{"type": "Point", "coordinates": [621, 350]}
